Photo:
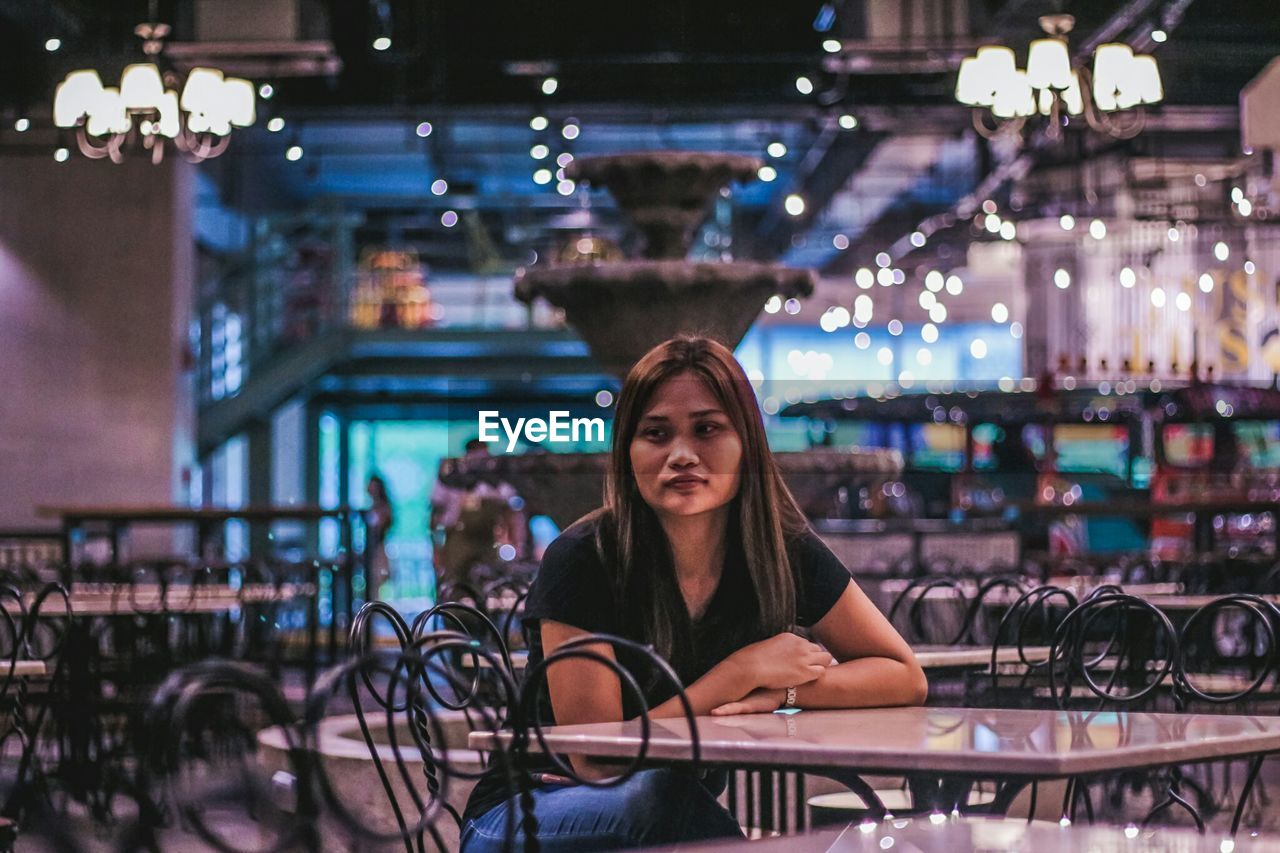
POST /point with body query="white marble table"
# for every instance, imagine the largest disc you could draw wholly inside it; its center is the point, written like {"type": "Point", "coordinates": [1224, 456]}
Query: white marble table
{"type": "Point", "coordinates": [22, 669]}
{"type": "Point", "coordinates": [975, 743]}
{"type": "Point", "coordinates": [144, 599]}
{"type": "Point", "coordinates": [982, 835]}
{"type": "Point", "coordinates": [929, 657]}
{"type": "Point", "coordinates": [946, 657]}
{"type": "Point", "coordinates": [1194, 602]}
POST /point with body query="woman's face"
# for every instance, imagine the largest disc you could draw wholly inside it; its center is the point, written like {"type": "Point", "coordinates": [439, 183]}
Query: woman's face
{"type": "Point", "coordinates": [685, 454]}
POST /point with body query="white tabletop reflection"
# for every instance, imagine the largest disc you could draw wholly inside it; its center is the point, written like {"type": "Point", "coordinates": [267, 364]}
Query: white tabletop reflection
{"type": "Point", "coordinates": [943, 834]}
{"type": "Point", "coordinates": [977, 742]}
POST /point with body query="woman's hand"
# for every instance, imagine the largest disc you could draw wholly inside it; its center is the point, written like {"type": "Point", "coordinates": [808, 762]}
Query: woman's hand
{"type": "Point", "coordinates": [761, 701]}
{"type": "Point", "coordinates": [783, 660]}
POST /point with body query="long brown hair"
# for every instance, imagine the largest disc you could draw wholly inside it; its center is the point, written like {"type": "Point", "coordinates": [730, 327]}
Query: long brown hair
{"type": "Point", "coordinates": [763, 514]}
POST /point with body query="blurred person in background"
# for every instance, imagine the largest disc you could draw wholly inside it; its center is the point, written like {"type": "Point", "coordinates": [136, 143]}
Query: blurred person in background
{"type": "Point", "coordinates": [377, 522]}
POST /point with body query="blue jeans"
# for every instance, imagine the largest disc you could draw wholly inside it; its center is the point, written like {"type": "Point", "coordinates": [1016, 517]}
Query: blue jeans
{"type": "Point", "coordinates": [653, 807]}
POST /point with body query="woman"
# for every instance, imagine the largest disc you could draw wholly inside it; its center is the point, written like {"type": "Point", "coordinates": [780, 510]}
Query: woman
{"type": "Point", "coordinates": [700, 551]}
{"type": "Point", "coordinates": [377, 524]}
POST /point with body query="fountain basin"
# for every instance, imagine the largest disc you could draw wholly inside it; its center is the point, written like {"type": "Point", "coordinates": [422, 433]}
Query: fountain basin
{"type": "Point", "coordinates": [355, 780]}
{"type": "Point", "coordinates": [664, 194]}
{"type": "Point", "coordinates": [625, 308]}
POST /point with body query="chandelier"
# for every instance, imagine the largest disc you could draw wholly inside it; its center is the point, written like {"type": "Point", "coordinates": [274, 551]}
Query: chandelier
{"type": "Point", "coordinates": [152, 107]}
{"type": "Point", "coordinates": [1111, 96]}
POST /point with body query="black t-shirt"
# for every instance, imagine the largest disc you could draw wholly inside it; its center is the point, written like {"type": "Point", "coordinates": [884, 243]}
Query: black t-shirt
{"type": "Point", "coordinates": [574, 587]}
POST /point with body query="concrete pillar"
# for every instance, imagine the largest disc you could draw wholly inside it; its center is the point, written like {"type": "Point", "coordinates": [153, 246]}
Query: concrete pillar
{"type": "Point", "coordinates": [96, 270]}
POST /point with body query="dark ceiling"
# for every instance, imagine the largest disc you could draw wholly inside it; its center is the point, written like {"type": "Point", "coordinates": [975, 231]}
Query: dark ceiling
{"type": "Point", "coordinates": [705, 75]}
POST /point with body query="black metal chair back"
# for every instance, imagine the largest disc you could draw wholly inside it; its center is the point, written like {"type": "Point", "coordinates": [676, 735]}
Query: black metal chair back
{"type": "Point", "coordinates": [1118, 646]}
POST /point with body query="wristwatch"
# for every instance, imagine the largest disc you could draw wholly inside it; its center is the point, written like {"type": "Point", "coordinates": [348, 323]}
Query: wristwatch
{"type": "Point", "coordinates": [791, 698]}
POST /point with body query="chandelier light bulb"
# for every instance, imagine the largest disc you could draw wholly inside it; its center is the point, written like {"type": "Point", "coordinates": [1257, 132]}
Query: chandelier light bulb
{"type": "Point", "coordinates": [75, 96]}
{"type": "Point", "coordinates": [1014, 97]}
{"type": "Point", "coordinates": [1221, 251]}
{"type": "Point", "coordinates": [141, 87]}
{"type": "Point", "coordinates": [1048, 64]}
{"type": "Point", "coordinates": [1145, 79]}
{"type": "Point", "coordinates": [1112, 73]}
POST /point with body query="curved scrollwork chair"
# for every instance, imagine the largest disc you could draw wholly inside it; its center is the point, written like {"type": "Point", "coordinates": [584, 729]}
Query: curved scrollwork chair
{"type": "Point", "coordinates": [472, 621]}
{"type": "Point", "coordinates": [981, 620]}
{"type": "Point", "coordinates": [932, 610]}
{"type": "Point", "coordinates": [637, 668]}
{"type": "Point", "coordinates": [1030, 622]}
{"type": "Point", "coordinates": [405, 736]}
{"type": "Point", "coordinates": [1119, 651]}
{"type": "Point", "coordinates": [205, 773]}
{"type": "Point", "coordinates": [35, 638]}
{"type": "Point", "coordinates": [1228, 656]}
{"type": "Point", "coordinates": [1105, 634]}
{"type": "Point", "coordinates": [468, 686]}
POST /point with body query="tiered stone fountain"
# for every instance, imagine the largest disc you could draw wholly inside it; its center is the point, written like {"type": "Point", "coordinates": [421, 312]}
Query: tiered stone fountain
{"type": "Point", "coordinates": [623, 308]}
